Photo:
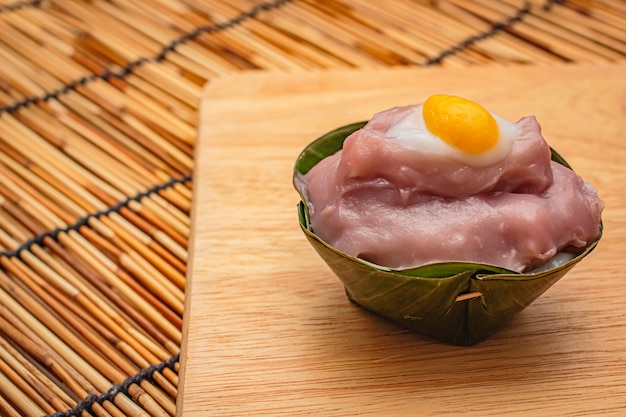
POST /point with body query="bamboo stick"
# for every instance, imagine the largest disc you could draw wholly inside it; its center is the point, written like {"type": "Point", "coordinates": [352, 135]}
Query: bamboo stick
{"type": "Point", "coordinates": [112, 318]}
{"type": "Point", "coordinates": [132, 297]}
{"type": "Point", "coordinates": [576, 46]}
{"type": "Point", "coordinates": [44, 191]}
{"type": "Point", "coordinates": [174, 218]}
{"type": "Point", "coordinates": [23, 188]}
{"type": "Point", "coordinates": [179, 240]}
{"type": "Point", "coordinates": [180, 228]}
{"type": "Point", "coordinates": [64, 68]}
{"type": "Point", "coordinates": [162, 381]}
{"type": "Point", "coordinates": [324, 35]}
{"type": "Point", "coordinates": [6, 409]}
{"type": "Point", "coordinates": [167, 78]}
{"type": "Point", "coordinates": [165, 17]}
{"type": "Point", "coordinates": [68, 288]}
{"type": "Point", "coordinates": [147, 401]}
{"type": "Point", "coordinates": [368, 39]}
{"type": "Point", "coordinates": [117, 362]}
{"type": "Point", "coordinates": [55, 402]}
{"type": "Point", "coordinates": [596, 31]}
{"type": "Point", "coordinates": [166, 312]}
{"type": "Point", "coordinates": [23, 218]}
{"type": "Point", "coordinates": [30, 205]}
{"type": "Point", "coordinates": [78, 297]}
{"type": "Point", "coordinates": [106, 268]}
{"type": "Point", "coordinates": [175, 248]}
{"type": "Point", "coordinates": [153, 399]}
{"type": "Point", "coordinates": [29, 79]}
{"type": "Point", "coordinates": [58, 368]}
{"type": "Point", "coordinates": [604, 7]}
{"type": "Point", "coordinates": [141, 242]}
{"type": "Point", "coordinates": [51, 295]}
{"type": "Point", "coordinates": [33, 333]}
{"type": "Point", "coordinates": [412, 28]}
{"type": "Point", "coordinates": [164, 165]}
{"type": "Point", "coordinates": [137, 241]}
{"type": "Point", "coordinates": [53, 26]}
{"type": "Point", "coordinates": [101, 184]}
{"type": "Point", "coordinates": [259, 52]}
{"type": "Point", "coordinates": [55, 278]}
{"type": "Point", "coordinates": [182, 156]}
{"type": "Point", "coordinates": [49, 159]}
{"type": "Point", "coordinates": [528, 51]}
{"type": "Point", "coordinates": [158, 256]}
{"type": "Point", "coordinates": [169, 291]}
{"type": "Point", "coordinates": [132, 14]}
{"type": "Point", "coordinates": [54, 361]}
{"type": "Point", "coordinates": [147, 109]}
{"type": "Point", "coordinates": [309, 55]}
{"type": "Point", "coordinates": [12, 227]}
{"type": "Point", "coordinates": [24, 387]}
{"type": "Point", "coordinates": [172, 375]}
{"type": "Point", "coordinates": [44, 383]}
{"type": "Point", "coordinates": [143, 269]}
{"type": "Point", "coordinates": [134, 165]}
{"type": "Point", "coordinates": [35, 30]}
{"type": "Point", "coordinates": [122, 39]}
{"type": "Point", "coordinates": [22, 401]}
{"type": "Point", "coordinates": [141, 91]}
{"type": "Point", "coordinates": [130, 408]}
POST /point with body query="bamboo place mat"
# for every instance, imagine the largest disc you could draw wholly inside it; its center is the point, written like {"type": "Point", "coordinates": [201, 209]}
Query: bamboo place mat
{"type": "Point", "coordinates": [98, 104]}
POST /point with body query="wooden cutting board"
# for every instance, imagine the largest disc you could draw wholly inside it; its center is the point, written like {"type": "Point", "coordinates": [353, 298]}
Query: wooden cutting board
{"type": "Point", "coordinates": [268, 329]}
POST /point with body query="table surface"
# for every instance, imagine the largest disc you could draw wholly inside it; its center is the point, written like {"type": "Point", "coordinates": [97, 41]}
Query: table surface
{"type": "Point", "coordinates": [269, 330]}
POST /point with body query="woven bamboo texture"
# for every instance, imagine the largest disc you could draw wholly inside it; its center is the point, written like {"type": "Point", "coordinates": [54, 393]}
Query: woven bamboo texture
{"type": "Point", "coordinates": [98, 104]}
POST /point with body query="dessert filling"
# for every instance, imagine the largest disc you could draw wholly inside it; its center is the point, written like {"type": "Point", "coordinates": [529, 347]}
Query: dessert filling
{"type": "Point", "coordinates": [447, 180]}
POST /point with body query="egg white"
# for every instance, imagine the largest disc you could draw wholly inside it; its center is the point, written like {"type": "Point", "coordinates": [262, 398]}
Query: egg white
{"type": "Point", "coordinates": [411, 133]}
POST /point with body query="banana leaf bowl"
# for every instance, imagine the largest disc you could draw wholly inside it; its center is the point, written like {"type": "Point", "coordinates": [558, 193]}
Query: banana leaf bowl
{"type": "Point", "coordinates": [460, 303]}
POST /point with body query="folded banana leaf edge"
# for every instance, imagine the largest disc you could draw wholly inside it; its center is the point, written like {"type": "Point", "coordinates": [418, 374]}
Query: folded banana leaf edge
{"type": "Point", "coordinates": [461, 303]}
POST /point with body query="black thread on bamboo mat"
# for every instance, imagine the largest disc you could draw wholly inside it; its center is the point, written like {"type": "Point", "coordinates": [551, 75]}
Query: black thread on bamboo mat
{"type": "Point", "coordinates": [19, 5]}
{"type": "Point", "coordinates": [39, 239]}
{"type": "Point", "coordinates": [131, 66]}
{"type": "Point", "coordinates": [493, 30]}
{"type": "Point", "coordinates": [91, 399]}
{"type": "Point", "coordinates": [548, 5]}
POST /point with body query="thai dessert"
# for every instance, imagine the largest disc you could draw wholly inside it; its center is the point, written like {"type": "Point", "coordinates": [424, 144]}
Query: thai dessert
{"type": "Point", "coordinates": [447, 180]}
{"type": "Point", "coordinates": [444, 217]}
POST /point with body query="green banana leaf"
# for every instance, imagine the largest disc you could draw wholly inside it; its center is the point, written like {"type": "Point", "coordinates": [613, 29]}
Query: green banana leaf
{"type": "Point", "coordinates": [455, 302]}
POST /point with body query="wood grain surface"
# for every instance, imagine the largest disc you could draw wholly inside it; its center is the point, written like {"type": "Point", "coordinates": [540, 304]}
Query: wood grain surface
{"type": "Point", "coordinates": [268, 329]}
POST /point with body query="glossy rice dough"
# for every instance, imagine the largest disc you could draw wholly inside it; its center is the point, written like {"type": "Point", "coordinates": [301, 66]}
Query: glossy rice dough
{"type": "Point", "coordinates": [397, 208]}
{"type": "Point", "coordinates": [369, 155]}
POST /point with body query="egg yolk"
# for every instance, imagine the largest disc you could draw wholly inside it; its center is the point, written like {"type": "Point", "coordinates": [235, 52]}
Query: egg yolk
{"type": "Point", "coordinates": [460, 123]}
